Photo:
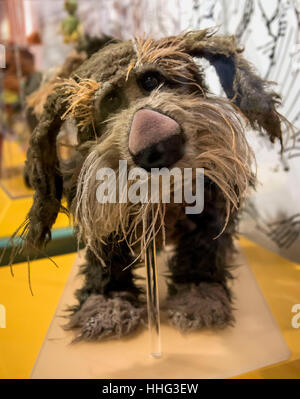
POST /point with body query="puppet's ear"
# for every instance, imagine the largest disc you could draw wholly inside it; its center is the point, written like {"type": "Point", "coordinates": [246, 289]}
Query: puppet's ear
{"type": "Point", "coordinates": [42, 166]}
{"type": "Point", "coordinates": [238, 79]}
{"type": "Point", "coordinates": [73, 97]}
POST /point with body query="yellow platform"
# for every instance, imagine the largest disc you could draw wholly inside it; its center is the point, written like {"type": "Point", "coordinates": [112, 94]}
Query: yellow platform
{"type": "Point", "coordinates": [15, 202]}
{"type": "Point", "coordinates": [279, 280]}
{"type": "Point", "coordinates": [15, 197]}
{"type": "Point", "coordinates": [28, 318]}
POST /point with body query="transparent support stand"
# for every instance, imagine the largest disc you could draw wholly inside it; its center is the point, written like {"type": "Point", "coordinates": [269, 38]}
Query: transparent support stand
{"type": "Point", "coordinates": [153, 300]}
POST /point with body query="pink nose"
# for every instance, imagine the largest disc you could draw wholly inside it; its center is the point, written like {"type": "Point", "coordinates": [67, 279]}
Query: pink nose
{"type": "Point", "coordinates": [150, 127]}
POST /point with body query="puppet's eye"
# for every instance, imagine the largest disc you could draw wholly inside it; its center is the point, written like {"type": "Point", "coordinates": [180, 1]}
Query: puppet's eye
{"type": "Point", "coordinates": [112, 101]}
{"type": "Point", "coordinates": [151, 80]}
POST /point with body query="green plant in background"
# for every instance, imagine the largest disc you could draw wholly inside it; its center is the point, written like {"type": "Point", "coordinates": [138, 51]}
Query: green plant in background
{"type": "Point", "coordinates": [70, 26]}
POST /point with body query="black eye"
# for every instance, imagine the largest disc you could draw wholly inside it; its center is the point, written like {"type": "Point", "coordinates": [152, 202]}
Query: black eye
{"type": "Point", "coordinates": [151, 80]}
{"type": "Point", "coordinates": [112, 101]}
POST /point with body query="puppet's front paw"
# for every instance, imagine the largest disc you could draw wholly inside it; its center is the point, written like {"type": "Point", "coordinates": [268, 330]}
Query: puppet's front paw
{"type": "Point", "coordinates": [103, 317]}
{"type": "Point", "coordinates": [193, 306]}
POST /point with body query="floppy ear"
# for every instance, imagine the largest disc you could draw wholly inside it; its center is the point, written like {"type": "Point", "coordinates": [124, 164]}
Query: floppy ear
{"type": "Point", "coordinates": [238, 79]}
{"type": "Point", "coordinates": [43, 169]}
{"type": "Point", "coordinates": [73, 97]}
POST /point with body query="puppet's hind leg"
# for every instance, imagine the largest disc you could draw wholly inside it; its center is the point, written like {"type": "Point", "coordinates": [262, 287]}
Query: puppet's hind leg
{"type": "Point", "coordinates": [198, 292]}
{"type": "Point", "coordinates": [108, 304]}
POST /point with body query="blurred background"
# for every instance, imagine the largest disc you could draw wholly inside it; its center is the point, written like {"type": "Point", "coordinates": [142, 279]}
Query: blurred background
{"type": "Point", "coordinates": [38, 36]}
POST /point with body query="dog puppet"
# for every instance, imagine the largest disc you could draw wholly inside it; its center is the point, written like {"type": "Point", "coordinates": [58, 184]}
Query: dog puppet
{"type": "Point", "coordinates": [146, 101]}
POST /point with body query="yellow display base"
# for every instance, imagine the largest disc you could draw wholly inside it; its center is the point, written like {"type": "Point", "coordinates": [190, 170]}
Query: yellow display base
{"type": "Point", "coordinates": [13, 155]}
{"type": "Point", "coordinates": [15, 197]}
{"type": "Point", "coordinates": [253, 342]}
{"type": "Point", "coordinates": [28, 318]}
{"type": "Point", "coordinates": [11, 174]}
{"type": "Point", "coordinates": [279, 281]}
{"type": "Point", "coordinates": [14, 211]}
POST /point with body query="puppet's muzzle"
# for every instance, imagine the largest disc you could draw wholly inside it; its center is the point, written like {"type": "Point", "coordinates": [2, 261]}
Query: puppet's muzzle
{"type": "Point", "coordinates": [155, 140]}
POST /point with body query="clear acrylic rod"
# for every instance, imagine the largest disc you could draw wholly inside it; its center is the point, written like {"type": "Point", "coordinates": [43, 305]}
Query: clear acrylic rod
{"type": "Point", "coordinates": [153, 299]}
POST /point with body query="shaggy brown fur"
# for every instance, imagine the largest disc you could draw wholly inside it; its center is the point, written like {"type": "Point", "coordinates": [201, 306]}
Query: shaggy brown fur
{"type": "Point", "coordinates": [102, 96]}
{"type": "Point", "coordinates": [216, 143]}
{"type": "Point", "coordinates": [80, 99]}
{"type": "Point", "coordinates": [107, 317]}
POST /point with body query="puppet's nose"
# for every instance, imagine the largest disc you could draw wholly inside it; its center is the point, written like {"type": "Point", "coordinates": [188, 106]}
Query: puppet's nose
{"type": "Point", "coordinates": [155, 140]}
